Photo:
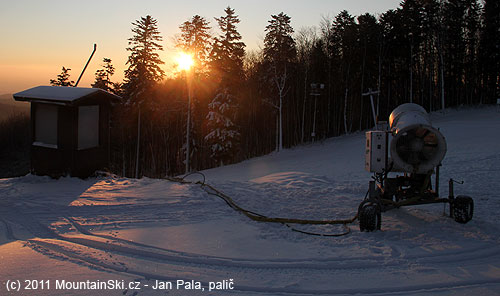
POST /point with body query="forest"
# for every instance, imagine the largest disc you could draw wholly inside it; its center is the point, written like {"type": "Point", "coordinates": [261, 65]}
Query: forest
{"type": "Point", "coordinates": [303, 85]}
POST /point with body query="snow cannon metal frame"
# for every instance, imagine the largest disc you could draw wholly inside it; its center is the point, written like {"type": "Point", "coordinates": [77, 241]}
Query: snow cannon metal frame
{"type": "Point", "coordinates": [414, 147]}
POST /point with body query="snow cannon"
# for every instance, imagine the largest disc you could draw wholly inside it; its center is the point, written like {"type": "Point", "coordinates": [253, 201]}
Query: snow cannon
{"type": "Point", "coordinates": [414, 147]}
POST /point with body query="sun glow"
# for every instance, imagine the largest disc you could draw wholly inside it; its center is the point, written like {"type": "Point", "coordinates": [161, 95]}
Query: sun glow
{"type": "Point", "coordinates": [184, 61]}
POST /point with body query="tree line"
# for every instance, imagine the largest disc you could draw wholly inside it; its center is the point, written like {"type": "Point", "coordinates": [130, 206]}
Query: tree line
{"type": "Point", "coordinates": [302, 86]}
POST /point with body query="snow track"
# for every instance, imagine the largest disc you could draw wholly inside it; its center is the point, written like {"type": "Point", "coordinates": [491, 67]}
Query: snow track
{"type": "Point", "coordinates": [294, 276]}
{"type": "Point", "coordinates": [111, 256]}
{"type": "Point", "coordinates": [166, 269]}
{"type": "Point", "coordinates": [8, 230]}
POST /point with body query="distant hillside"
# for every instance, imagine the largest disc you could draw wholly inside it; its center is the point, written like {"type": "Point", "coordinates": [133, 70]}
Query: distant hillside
{"type": "Point", "coordinates": [8, 106]}
{"type": "Point", "coordinates": [6, 97]}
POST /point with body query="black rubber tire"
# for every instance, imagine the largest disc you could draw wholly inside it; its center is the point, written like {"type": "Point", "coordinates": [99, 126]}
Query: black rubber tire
{"type": "Point", "coordinates": [462, 209]}
{"type": "Point", "coordinates": [370, 217]}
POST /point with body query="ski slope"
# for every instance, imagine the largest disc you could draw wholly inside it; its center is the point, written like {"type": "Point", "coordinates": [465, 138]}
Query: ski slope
{"type": "Point", "coordinates": [144, 231]}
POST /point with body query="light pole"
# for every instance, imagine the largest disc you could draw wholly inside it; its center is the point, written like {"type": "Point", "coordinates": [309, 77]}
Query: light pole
{"type": "Point", "coordinates": [375, 115]}
{"type": "Point", "coordinates": [315, 91]}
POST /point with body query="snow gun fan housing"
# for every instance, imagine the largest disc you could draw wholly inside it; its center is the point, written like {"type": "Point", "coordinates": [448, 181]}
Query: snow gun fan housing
{"type": "Point", "coordinates": [416, 149]}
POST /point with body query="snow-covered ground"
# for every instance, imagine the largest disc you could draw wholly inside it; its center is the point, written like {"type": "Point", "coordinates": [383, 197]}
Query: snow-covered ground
{"type": "Point", "coordinates": [138, 232]}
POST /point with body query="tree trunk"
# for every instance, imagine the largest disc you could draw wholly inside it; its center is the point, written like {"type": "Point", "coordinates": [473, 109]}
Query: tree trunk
{"type": "Point", "coordinates": [188, 124]}
{"type": "Point", "coordinates": [277, 134]}
{"type": "Point", "coordinates": [379, 78]}
{"type": "Point", "coordinates": [304, 108]}
{"type": "Point", "coordinates": [442, 77]}
{"type": "Point", "coordinates": [280, 84]}
{"type": "Point", "coordinates": [362, 88]}
{"type": "Point", "coordinates": [411, 73]}
{"type": "Point", "coordinates": [138, 143]}
{"type": "Point", "coordinates": [123, 155]}
{"type": "Point", "coordinates": [281, 123]}
{"type": "Point", "coordinates": [346, 130]}
{"type": "Point", "coordinates": [345, 111]}
{"type": "Point", "coordinates": [328, 110]}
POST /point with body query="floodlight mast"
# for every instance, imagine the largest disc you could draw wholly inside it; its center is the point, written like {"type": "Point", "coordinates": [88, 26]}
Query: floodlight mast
{"type": "Point", "coordinates": [371, 93]}
{"type": "Point", "coordinates": [316, 89]}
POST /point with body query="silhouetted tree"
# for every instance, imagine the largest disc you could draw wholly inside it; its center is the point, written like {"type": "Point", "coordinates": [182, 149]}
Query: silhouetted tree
{"type": "Point", "coordinates": [306, 38]}
{"type": "Point", "coordinates": [143, 62]}
{"type": "Point", "coordinates": [102, 76]}
{"type": "Point", "coordinates": [63, 78]}
{"type": "Point", "coordinates": [344, 41]}
{"type": "Point", "coordinates": [279, 55]}
{"type": "Point", "coordinates": [226, 60]}
{"type": "Point", "coordinates": [195, 39]}
{"type": "Point", "coordinates": [226, 57]}
{"type": "Point", "coordinates": [490, 50]}
{"type": "Point", "coordinates": [144, 70]}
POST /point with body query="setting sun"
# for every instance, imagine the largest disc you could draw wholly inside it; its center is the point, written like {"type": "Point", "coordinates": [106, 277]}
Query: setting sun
{"type": "Point", "coordinates": [184, 61]}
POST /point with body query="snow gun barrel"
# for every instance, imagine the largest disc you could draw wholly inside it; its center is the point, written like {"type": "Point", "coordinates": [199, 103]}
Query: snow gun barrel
{"type": "Point", "coordinates": [416, 146]}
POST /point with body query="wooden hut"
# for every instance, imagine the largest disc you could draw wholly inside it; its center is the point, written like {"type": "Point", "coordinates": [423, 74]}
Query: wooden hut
{"type": "Point", "coordinates": [70, 129]}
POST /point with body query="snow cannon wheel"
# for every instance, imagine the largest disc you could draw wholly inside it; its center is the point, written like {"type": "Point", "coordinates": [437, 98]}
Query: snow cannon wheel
{"type": "Point", "coordinates": [370, 216]}
{"type": "Point", "coordinates": [462, 209]}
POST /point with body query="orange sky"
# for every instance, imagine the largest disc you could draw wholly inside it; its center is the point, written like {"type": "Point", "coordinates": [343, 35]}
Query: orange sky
{"type": "Point", "coordinates": [39, 37]}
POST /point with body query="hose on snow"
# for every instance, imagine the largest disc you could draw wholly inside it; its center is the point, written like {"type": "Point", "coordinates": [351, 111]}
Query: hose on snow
{"type": "Point", "coordinates": [209, 189]}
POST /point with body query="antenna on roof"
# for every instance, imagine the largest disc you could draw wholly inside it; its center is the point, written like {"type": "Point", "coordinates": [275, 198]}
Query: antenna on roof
{"type": "Point", "coordinates": [84, 68]}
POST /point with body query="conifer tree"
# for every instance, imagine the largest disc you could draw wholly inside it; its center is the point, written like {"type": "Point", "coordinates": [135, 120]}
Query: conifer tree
{"type": "Point", "coordinates": [228, 51]}
{"type": "Point", "coordinates": [227, 66]}
{"type": "Point", "coordinates": [102, 76]}
{"type": "Point", "coordinates": [144, 70]}
{"type": "Point", "coordinates": [144, 62]}
{"type": "Point", "coordinates": [195, 39]}
{"type": "Point", "coordinates": [343, 40]}
{"type": "Point", "coordinates": [63, 78]}
{"type": "Point", "coordinates": [490, 50]}
{"type": "Point", "coordinates": [279, 54]}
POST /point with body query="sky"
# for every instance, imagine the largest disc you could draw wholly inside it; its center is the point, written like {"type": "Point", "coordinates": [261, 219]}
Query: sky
{"type": "Point", "coordinates": [39, 37]}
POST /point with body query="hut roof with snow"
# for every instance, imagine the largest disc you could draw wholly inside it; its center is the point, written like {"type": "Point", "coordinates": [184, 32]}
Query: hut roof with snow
{"type": "Point", "coordinates": [63, 95]}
